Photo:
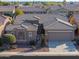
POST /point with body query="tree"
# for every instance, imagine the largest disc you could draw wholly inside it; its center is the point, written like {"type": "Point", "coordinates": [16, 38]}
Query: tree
{"type": "Point", "coordinates": [4, 3]}
{"type": "Point", "coordinates": [72, 20]}
{"type": "Point", "coordinates": [41, 34]}
{"type": "Point", "coordinates": [26, 3]}
{"type": "Point", "coordinates": [18, 11]}
{"type": "Point", "coordinates": [1, 42]}
{"type": "Point", "coordinates": [10, 39]}
{"type": "Point", "coordinates": [15, 3]}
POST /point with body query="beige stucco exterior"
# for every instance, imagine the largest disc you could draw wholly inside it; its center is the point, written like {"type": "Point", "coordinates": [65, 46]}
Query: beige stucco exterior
{"type": "Point", "coordinates": [2, 26]}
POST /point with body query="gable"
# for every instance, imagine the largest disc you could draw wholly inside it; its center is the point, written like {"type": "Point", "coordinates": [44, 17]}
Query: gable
{"type": "Point", "coordinates": [59, 26]}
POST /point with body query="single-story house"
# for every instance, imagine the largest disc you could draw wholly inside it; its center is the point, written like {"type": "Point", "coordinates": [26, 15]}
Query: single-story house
{"type": "Point", "coordinates": [72, 7]}
{"type": "Point", "coordinates": [37, 4]}
{"type": "Point", "coordinates": [29, 9]}
{"type": "Point", "coordinates": [53, 9]}
{"type": "Point", "coordinates": [4, 9]}
{"type": "Point", "coordinates": [55, 27]}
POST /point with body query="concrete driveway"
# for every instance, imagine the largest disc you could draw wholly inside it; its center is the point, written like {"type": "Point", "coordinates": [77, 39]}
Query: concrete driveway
{"type": "Point", "coordinates": [62, 46]}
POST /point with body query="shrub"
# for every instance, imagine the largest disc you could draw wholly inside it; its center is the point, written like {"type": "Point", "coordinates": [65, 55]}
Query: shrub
{"type": "Point", "coordinates": [1, 42]}
{"type": "Point", "coordinates": [32, 43]}
{"type": "Point", "coordinates": [42, 40]}
{"type": "Point", "coordinates": [18, 11]}
{"type": "Point", "coordinates": [26, 3]}
{"type": "Point", "coordinates": [12, 22]}
{"type": "Point", "coordinates": [10, 38]}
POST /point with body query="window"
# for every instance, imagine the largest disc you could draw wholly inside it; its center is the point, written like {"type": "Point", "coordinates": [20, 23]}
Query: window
{"type": "Point", "coordinates": [20, 35]}
{"type": "Point", "coordinates": [30, 34]}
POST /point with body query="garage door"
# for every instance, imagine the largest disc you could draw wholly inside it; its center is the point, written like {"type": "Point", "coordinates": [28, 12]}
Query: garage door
{"type": "Point", "coordinates": [60, 35]}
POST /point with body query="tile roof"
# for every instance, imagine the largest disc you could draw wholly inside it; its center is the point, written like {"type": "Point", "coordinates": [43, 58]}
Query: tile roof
{"type": "Point", "coordinates": [49, 18]}
{"type": "Point", "coordinates": [57, 25]}
{"type": "Point", "coordinates": [12, 27]}
{"type": "Point", "coordinates": [49, 21]}
{"type": "Point", "coordinates": [55, 7]}
{"type": "Point", "coordinates": [32, 9]}
{"type": "Point", "coordinates": [30, 27]}
{"type": "Point", "coordinates": [72, 7]}
{"type": "Point", "coordinates": [6, 8]}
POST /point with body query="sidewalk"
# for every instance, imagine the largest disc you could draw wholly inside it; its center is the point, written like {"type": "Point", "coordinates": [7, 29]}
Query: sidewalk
{"type": "Point", "coordinates": [7, 54]}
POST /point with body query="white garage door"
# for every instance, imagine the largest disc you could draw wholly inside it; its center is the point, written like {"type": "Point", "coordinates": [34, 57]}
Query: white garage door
{"type": "Point", "coordinates": [60, 35]}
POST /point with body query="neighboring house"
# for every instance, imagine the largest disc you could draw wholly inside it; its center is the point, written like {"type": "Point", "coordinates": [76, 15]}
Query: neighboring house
{"type": "Point", "coordinates": [56, 29]}
{"type": "Point", "coordinates": [52, 9]}
{"type": "Point", "coordinates": [71, 7]}
{"type": "Point", "coordinates": [3, 22]}
{"type": "Point", "coordinates": [7, 9]}
{"type": "Point", "coordinates": [37, 4]}
{"type": "Point", "coordinates": [28, 9]}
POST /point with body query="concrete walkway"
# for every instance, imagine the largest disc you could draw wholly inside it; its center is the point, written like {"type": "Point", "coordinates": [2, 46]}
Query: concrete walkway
{"type": "Point", "coordinates": [6, 54]}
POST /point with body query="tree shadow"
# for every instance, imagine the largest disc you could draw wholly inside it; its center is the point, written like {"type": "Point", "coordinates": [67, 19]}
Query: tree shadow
{"type": "Point", "coordinates": [54, 44]}
{"type": "Point", "coordinates": [70, 47]}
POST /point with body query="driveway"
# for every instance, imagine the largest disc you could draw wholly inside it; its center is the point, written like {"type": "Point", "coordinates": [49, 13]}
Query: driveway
{"type": "Point", "coordinates": [62, 46]}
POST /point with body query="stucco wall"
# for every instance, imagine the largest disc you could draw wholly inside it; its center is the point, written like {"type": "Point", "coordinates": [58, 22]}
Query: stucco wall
{"type": "Point", "coordinates": [50, 35]}
{"type": "Point", "coordinates": [3, 25]}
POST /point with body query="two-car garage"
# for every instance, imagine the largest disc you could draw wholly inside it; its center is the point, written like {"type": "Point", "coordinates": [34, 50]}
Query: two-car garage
{"type": "Point", "coordinates": [61, 41]}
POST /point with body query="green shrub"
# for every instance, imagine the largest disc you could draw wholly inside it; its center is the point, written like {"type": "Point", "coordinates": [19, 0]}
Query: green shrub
{"type": "Point", "coordinates": [42, 40]}
{"type": "Point", "coordinates": [26, 3]}
{"type": "Point", "coordinates": [1, 42]}
{"type": "Point", "coordinates": [12, 22]}
{"type": "Point", "coordinates": [18, 11]}
{"type": "Point", "coordinates": [32, 42]}
{"type": "Point", "coordinates": [10, 38]}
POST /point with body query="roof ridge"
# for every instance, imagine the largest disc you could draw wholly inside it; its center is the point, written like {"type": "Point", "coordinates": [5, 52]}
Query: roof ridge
{"type": "Point", "coordinates": [64, 22]}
